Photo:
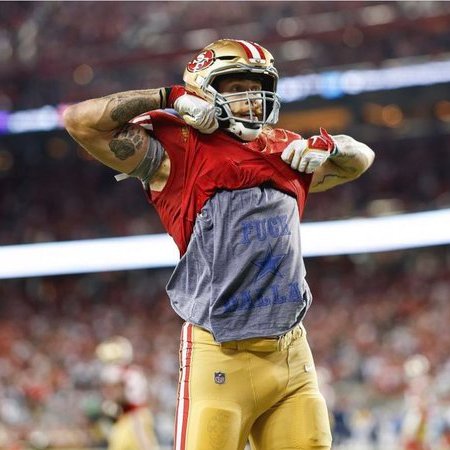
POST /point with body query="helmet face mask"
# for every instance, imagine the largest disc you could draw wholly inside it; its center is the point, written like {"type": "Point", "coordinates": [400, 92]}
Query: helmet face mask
{"type": "Point", "coordinates": [228, 58]}
{"type": "Point", "coordinates": [262, 106]}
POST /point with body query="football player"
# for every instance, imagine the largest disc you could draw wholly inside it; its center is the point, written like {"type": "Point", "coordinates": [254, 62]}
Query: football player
{"type": "Point", "coordinates": [125, 389]}
{"type": "Point", "coordinates": [230, 189]}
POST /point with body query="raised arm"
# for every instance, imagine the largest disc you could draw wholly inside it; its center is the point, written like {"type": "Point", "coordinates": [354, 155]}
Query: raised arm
{"type": "Point", "coordinates": [332, 160]}
{"type": "Point", "coordinates": [350, 161]}
{"type": "Point", "coordinates": [101, 126]}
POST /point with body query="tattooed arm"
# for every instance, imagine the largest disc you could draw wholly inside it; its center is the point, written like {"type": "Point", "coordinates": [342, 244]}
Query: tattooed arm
{"type": "Point", "coordinates": [101, 126]}
{"type": "Point", "coordinates": [350, 162]}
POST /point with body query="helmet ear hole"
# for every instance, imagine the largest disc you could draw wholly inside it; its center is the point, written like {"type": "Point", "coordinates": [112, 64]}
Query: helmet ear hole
{"type": "Point", "coordinates": [221, 113]}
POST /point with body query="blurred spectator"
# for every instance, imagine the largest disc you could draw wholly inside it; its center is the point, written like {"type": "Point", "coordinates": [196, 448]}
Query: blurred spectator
{"type": "Point", "coordinates": [48, 58]}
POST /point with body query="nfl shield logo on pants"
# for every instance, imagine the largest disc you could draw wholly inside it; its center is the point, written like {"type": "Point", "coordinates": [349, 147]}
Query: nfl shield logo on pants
{"type": "Point", "coordinates": [219, 377]}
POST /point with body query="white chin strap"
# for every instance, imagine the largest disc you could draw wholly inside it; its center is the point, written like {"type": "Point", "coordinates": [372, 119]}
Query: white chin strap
{"type": "Point", "coordinates": [242, 132]}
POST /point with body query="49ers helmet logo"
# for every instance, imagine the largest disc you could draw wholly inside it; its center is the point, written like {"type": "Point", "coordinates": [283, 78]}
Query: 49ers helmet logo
{"type": "Point", "coordinates": [201, 61]}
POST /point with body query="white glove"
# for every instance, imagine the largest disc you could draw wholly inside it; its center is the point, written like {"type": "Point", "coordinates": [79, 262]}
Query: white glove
{"type": "Point", "coordinates": [306, 155]}
{"type": "Point", "coordinates": [197, 113]}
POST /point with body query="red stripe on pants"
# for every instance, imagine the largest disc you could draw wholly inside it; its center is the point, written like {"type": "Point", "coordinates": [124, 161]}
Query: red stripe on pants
{"type": "Point", "coordinates": [182, 413]}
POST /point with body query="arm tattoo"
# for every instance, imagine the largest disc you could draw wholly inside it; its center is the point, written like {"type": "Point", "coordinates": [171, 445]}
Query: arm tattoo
{"type": "Point", "coordinates": [126, 141]}
{"type": "Point", "coordinates": [132, 103]}
{"type": "Point", "coordinates": [339, 170]}
{"type": "Point", "coordinates": [352, 159]}
{"type": "Point", "coordinates": [326, 177]}
{"type": "Point", "coordinates": [345, 163]}
{"type": "Point", "coordinates": [129, 108]}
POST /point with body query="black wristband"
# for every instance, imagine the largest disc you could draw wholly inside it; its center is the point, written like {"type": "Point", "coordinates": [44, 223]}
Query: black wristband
{"type": "Point", "coordinates": [164, 93]}
{"type": "Point", "coordinates": [164, 96]}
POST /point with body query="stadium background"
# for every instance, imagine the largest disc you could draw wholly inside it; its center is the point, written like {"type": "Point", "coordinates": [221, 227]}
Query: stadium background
{"type": "Point", "coordinates": [373, 312]}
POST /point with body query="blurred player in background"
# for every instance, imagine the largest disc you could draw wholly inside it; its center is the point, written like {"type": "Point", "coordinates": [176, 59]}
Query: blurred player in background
{"type": "Point", "coordinates": [230, 190]}
{"type": "Point", "coordinates": [419, 400]}
{"type": "Point", "coordinates": [125, 389]}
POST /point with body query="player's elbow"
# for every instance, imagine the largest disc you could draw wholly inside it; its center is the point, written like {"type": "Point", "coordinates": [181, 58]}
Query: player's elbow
{"type": "Point", "coordinates": [369, 157]}
{"type": "Point", "coordinates": [74, 121]}
{"type": "Point", "coordinates": [71, 118]}
{"type": "Point", "coordinates": [365, 159]}
{"type": "Point", "coordinates": [357, 161]}
{"type": "Point", "coordinates": [358, 168]}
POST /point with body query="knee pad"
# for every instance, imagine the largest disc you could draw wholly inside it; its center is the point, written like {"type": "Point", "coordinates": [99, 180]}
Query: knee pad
{"type": "Point", "coordinates": [313, 424]}
{"type": "Point", "coordinates": [214, 427]}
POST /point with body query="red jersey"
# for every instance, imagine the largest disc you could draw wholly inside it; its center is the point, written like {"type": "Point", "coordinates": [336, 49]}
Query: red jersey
{"type": "Point", "coordinates": [202, 164]}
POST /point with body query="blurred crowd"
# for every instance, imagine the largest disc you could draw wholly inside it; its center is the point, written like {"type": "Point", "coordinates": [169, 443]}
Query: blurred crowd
{"type": "Point", "coordinates": [371, 315]}
{"type": "Point", "coordinates": [46, 57]}
{"type": "Point", "coordinates": [49, 373]}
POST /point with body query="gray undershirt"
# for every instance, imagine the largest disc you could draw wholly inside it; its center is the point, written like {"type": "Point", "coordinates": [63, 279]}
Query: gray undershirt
{"type": "Point", "coordinates": [243, 275]}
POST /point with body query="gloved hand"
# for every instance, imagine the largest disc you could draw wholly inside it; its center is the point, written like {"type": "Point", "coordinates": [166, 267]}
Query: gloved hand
{"type": "Point", "coordinates": [306, 155]}
{"type": "Point", "coordinates": [195, 111]}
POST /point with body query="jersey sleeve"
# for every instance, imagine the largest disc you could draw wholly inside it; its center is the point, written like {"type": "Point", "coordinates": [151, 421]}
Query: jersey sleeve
{"type": "Point", "coordinates": [144, 120]}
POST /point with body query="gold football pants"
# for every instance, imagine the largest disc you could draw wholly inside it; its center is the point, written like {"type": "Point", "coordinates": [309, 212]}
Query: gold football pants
{"type": "Point", "coordinates": [260, 390]}
{"type": "Point", "coordinates": [134, 431]}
